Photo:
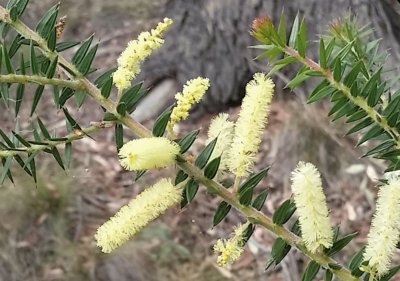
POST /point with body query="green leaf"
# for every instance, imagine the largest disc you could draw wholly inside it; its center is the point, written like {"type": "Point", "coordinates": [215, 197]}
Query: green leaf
{"type": "Point", "coordinates": [295, 29]}
{"type": "Point", "coordinates": [180, 177]}
{"type": "Point", "coordinates": [279, 251]}
{"type": "Point", "coordinates": [52, 68]}
{"type": "Point", "coordinates": [6, 170]}
{"type": "Point", "coordinates": [81, 52]}
{"type": "Point", "coordinates": [221, 212]}
{"type": "Point", "coordinates": [340, 244]}
{"type": "Point", "coordinates": [119, 136]}
{"type": "Point", "coordinates": [36, 98]}
{"type": "Point", "coordinates": [299, 78]}
{"type": "Point", "coordinates": [57, 156]}
{"type": "Point", "coordinates": [31, 162]}
{"type": "Point", "coordinates": [322, 54]}
{"type": "Point", "coordinates": [6, 139]}
{"type": "Point", "coordinates": [211, 169]}
{"type": "Point", "coordinates": [109, 117]}
{"type": "Point", "coordinates": [47, 22]}
{"type": "Point", "coordinates": [84, 65]}
{"type": "Point", "coordinates": [328, 276]}
{"type": "Point", "coordinates": [356, 116]}
{"type": "Point", "coordinates": [205, 154]}
{"type": "Point", "coordinates": [361, 125]}
{"type": "Point", "coordinates": [373, 132]}
{"type": "Point", "coordinates": [302, 39]}
{"type": "Point", "coordinates": [310, 271]}
{"type": "Point", "coordinates": [337, 69]}
{"type": "Point", "coordinates": [121, 108]}
{"type": "Point", "coordinates": [15, 45]}
{"type": "Point", "coordinates": [191, 189]}
{"type": "Point", "coordinates": [106, 88]}
{"type": "Point", "coordinates": [380, 148]}
{"type": "Point", "coordinates": [351, 77]}
{"type": "Point", "coordinates": [80, 96]}
{"type": "Point", "coordinates": [161, 123]}
{"type": "Point", "coordinates": [21, 139]}
{"type": "Point", "coordinates": [284, 212]}
{"type": "Point", "coordinates": [43, 129]}
{"type": "Point", "coordinates": [186, 142]}
{"type": "Point", "coordinates": [247, 187]}
{"type": "Point", "coordinates": [104, 77]}
{"type": "Point", "coordinates": [52, 41]}
{"type": "Point", "coordinates": [282, 28]}
{"type": "Point", "coordinates": [7, 61]}
{"type": "Point", "coordinates": [355, 263]}
{"type": "Point", "coordinates": [258, 203]}
{"type": "Point", "coordinates": [66, 94]}
{"type": "Point", "coordinates": [323, 90]}
{"type": "Point", "coordinates": [71, 121]}
{"type": "Point", "coordinates": [63, 46]}
{"type": "Point", "coordinates": [33, 62]}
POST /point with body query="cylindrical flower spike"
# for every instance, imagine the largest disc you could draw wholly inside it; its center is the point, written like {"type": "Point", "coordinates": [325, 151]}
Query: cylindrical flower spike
{"type": "Point", "coordinates": [311, 207]}
{"type": "Point", "coordinates": [222, 128]}
{"type": "Point", "coordinates": [230, 250]}
{"type": "Point", "coordinates": [250, 124]}
{"type": "Point", "coordinates": [148, 153]}
{"type": "Point", "coordinates": [192, 93]}
{"type": "Point", "coordinates": [130, 219]}
{"type": "Point", "coordinates": [136, 52]}
{"type": "Point", "coordinates": [385, 229]}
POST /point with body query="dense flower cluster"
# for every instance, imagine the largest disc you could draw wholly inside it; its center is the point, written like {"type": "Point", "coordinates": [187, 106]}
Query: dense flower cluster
{"type": "Point", "coordinates": [136, 52]}
{"type": "Point", "coordinates": [311, 207]}
{"type": "Point", "coordinates": [385, 228]}
{"type": "Point", "coordinates": [250, 124]}
{"type": "Point", "coordinates": [130, 219]}
{"type": "Point", "coordinates": [192, 93]}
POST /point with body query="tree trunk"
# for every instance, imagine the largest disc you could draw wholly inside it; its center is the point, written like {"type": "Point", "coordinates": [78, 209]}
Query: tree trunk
{"type": "Point", "coordinates": [211, 39]}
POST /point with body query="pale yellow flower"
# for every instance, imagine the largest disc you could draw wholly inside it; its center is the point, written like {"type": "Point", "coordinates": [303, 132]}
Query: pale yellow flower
{"type": "Point", "coordinates": [130, 219]}
{"type": "Point", "coordinates": [230, 250]}
{"type": "Point", "coordinates": [148, 153]}
{"type": "Point", "coordinates": [311, 207]}
{"type": "Point", "coordinates": [222, 128]}
{"type": "Point", "coordinates": [136, 52]}
{"type": "Point", "coordinates": [250, 124]}
{"type": "Point", "coordinates": [385, 228]}
{"type": "Point", "coordinates": [192, 93]}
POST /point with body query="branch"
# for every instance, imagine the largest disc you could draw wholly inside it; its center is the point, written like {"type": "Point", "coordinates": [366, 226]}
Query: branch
{"type": "Point", "coordinates": [378, 119]}
{"type": "Point", "coordinates": [24, 79]}
{"type": "Point", "coordinates": [251, 213]}
{"type": "Point", "coordinates": [48, 144]}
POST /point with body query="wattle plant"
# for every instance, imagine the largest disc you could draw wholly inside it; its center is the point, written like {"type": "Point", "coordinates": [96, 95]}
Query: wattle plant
{"type": "Point", "coordinates": [351, 71]}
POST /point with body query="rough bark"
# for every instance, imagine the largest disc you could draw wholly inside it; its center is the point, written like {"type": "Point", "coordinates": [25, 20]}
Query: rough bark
{"type": "Point", "coordinates": [211, 38]}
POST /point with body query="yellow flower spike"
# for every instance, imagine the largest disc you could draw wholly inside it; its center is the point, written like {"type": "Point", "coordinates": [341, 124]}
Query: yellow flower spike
{"type": "Point", "coordinates": [136, 52]}
{"type": "Point", "coordinates": [385, 228]}
{"type": "Point", "coordinates": [222, 128]}
{"type": "Point", "coordinates": [192, 93]}
{"type": "Point", "coordinates": [130, 219]}
{"type": "Point", "coordinates": [250, 124]}
{"type": "Point", "coordinates": [230, 250]}
{"type": "Point", "coordinates": [311, 207]}
{"type": "Point", "coordinates": [148, 153]}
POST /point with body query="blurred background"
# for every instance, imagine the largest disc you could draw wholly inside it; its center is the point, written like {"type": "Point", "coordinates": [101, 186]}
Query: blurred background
{"type": "Point", "coordinates": [46, 232]}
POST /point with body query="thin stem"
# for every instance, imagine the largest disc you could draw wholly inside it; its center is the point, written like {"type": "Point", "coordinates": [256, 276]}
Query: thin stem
{"type": "Point", "coordinates": [236, 185]}
{"type": "Point", "coordinates": [48, 144]}
{"type": "Point", "coordinates": [24, 79]}
{"type": "Point", "coordinates": [377, 118]}
{"type": "Point", "coordinates": [252, 214]}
